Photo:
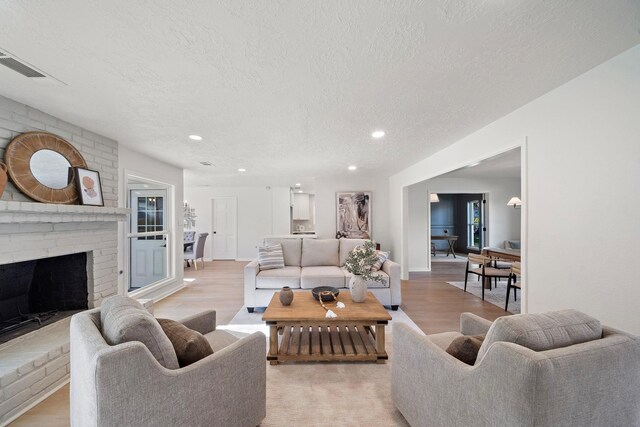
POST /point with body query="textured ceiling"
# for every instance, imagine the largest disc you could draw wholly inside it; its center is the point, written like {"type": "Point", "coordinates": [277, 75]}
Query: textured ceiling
{"type": "Point", "coordinates": [291, 90]}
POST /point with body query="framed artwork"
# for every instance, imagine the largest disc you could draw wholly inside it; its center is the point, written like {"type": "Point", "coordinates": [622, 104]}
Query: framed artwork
{"type": "Point", "coordinates": [353, 214]}
{"type": "Point", "coordinates": [88, 186]}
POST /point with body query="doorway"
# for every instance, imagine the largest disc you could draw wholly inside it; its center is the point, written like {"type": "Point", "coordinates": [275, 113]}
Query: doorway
{"type": "Point", "coordinates": [494, 180]}
{"type": "Point", "coordinates": [458, 224]}
{"type": "Point", "coordinates": [150, 232]}
{"type": "Point", "coordinates": [224, 228]}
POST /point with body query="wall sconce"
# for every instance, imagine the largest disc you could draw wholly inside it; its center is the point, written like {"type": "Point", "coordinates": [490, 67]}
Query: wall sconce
{"type": "Point", "coordinates": [433, 198]}
{"type": "Point", "coordinates": [515, 202]}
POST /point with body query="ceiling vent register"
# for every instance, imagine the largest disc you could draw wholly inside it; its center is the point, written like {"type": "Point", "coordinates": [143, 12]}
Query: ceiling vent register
{"type": "Point", "coordinates": [19, 67]}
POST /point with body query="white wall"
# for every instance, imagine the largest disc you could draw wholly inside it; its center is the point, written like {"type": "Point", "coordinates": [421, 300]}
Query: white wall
{"type": "Point", "coordinates": [325, 200]}
{"type": "Point", "coordinates": [261, 211]}
{"type": "Point", "coordinates": [581, 169]}
{"type": "Point", "coordinates": [280, 210]}
{"type": "Point", "coordinates": [503, 222]}
{"type": "Point", "coordinates": [417, 227]}
{"type": "Point", "coordinates": [255, 204]}
{"type": "Point", "coordinates": [132, 162]}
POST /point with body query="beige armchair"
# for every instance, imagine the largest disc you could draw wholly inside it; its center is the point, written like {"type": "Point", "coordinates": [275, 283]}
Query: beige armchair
{"type": "Point", "coordinates": [124, 385]}
{"type": "Point", "coordinates": [532, 370]}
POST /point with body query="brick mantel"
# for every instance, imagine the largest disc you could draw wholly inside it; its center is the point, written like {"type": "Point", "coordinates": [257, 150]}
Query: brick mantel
{"type": "Point", "coordinates": [27, 212]}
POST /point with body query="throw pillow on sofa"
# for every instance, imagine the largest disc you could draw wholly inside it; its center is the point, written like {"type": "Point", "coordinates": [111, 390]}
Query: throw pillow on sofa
{"type": "Point", "coordinates": [466, 348]}
{"type": "Point", "coordinates": [125, 320]}
{"type": "Point", "coordinates": [270, 257]}
{"type": "Point", "coordinates": [382, 257]}
{"type": "Point", "coordinates": [190, 345]}
{"type": "Point", "coordinates": [513, 244]}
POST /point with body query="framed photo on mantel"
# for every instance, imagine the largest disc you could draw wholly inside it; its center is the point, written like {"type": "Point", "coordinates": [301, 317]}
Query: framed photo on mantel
{"type": "Point", "coordinates": [353, 214]}
{"type": "Point", "coordinates": [88, 186]}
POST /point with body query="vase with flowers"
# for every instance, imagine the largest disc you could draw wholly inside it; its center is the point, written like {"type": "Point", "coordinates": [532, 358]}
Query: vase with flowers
{"type": "Point", "coordinates": [360, 262]}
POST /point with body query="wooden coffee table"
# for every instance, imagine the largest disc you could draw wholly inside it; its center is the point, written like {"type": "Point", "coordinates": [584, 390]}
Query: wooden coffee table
{"type": "Point", "coordinates": [301, 332]}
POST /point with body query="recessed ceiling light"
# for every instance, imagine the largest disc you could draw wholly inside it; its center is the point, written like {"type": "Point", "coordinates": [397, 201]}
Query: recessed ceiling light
{"type": "Point", "coordinates": [299, 191]}
{"type": "Point", "coordinates": [242, 170]}
{"type": "Point", "coordinates": [298, 185]}
{"type": "Point", "coordinates": [195, 137]}
{"type": "Point", "coordinates": [352, 168]}
{"type": "Point", "coordinates": [377, 134]}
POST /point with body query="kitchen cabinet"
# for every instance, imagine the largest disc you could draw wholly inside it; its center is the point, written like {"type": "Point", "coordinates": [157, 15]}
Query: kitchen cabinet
{"type": "Point", "coordinates": [301, 206]}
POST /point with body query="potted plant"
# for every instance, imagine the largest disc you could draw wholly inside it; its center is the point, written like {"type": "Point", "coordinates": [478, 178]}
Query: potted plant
{"type": "Point", "coordinates": [359, 263]}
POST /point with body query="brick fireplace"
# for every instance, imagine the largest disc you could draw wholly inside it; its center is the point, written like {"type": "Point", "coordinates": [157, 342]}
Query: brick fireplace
{"type": "Point", "coordinates": [37, 363]}
{"type": "Point", "coordinates": [40, 292]}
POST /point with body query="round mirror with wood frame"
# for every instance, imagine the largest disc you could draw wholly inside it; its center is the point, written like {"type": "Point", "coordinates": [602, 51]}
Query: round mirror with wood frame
{"type": "Point", "coordinates": [18, 158]}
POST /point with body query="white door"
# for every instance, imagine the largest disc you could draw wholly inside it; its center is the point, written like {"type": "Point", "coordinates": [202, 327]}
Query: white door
{"type": "Point", "coordinates": [224, 228]}
{"type": "Point", "coordinates": [148, 253]}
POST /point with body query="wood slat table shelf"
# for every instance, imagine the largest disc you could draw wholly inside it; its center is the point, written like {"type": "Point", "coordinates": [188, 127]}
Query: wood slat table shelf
{"type": "Point", "coordinates": [301, 332]}
{"type": "Point", "coordinates": [306, 342]}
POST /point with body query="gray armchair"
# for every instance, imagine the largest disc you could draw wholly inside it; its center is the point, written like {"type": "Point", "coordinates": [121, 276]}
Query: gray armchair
{"type": "Point", "coordinates": [124, 385]}
{"type": "Point", "coordinates": [593, 382]}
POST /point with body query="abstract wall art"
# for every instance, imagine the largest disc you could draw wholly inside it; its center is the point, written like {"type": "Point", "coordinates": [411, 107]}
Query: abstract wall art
{"type": "Point", "coordinates": [353, 214]}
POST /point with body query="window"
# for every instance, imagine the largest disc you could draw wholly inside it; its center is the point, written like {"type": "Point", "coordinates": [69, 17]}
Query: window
{"type": "Point", "coordinates": [473, 224]}
{"type": "Point", "coordinates": [151, 215]}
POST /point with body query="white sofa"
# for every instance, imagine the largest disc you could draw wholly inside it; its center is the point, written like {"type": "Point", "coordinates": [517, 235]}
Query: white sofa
{"type": "Point", "coordinates": [315, 262]}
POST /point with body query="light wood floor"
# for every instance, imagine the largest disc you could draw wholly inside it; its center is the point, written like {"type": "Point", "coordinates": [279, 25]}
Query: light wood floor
{"type": "Point", "coordinates": [431, 303]}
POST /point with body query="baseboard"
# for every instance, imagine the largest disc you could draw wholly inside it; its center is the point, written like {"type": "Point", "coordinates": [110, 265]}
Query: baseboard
{"type": "Point", "coordinates": [169, 292]}
{"type": "Point", "coordinates": [418, 270]}
{"type": "Point", "coordinates": [244, 259]}
{"type": "Point", "coordinates": [64, 381]}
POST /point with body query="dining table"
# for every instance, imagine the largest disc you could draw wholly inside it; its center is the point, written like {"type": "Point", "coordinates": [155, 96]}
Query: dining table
{"type": "Point", "coordinates": [502, 253]}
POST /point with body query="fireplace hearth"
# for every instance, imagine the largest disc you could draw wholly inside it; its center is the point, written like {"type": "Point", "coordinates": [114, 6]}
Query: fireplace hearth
{"type": "Point", "coordinates": [40, 292]}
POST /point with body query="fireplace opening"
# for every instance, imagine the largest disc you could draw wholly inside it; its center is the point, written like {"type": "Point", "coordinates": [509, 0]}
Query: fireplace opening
{"type": "Point", "coordinates": [36, 293]}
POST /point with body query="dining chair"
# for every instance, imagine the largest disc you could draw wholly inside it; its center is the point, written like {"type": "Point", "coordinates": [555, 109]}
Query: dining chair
{"type": "Point", "coordinates": [483, 271]}
{"type": "Point", "coordinates": [513, 283]}
{"type": "Point", "coordinates": [501, 264]}
{"type": "Point", "coordinates": [189, 237]}
{"type": "Point", "coordinates": [196, 252]}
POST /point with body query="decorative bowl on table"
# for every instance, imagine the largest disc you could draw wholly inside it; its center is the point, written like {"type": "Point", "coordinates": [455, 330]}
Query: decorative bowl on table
{"type": "Point", "coordinates": [326, 297]}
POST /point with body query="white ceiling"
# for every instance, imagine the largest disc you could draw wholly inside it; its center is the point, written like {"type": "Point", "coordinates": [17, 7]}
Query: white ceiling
{"type": "Point", "coordinates": [291, 90]}
{"type": "Point", "coordinates": [505, 165]}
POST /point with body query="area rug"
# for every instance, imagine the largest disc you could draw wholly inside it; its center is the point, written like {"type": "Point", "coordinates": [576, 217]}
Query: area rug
{"type": "Point", "coordinates": [495, 296]}
{"type": "Point", "coordinates": [327, 393]}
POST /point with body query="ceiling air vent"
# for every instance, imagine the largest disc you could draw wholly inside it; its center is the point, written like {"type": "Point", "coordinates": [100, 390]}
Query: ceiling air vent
{"type": "Point", "coordinates": [19, 67]}
{"type": "Point", "coordinates": [206, 163]}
